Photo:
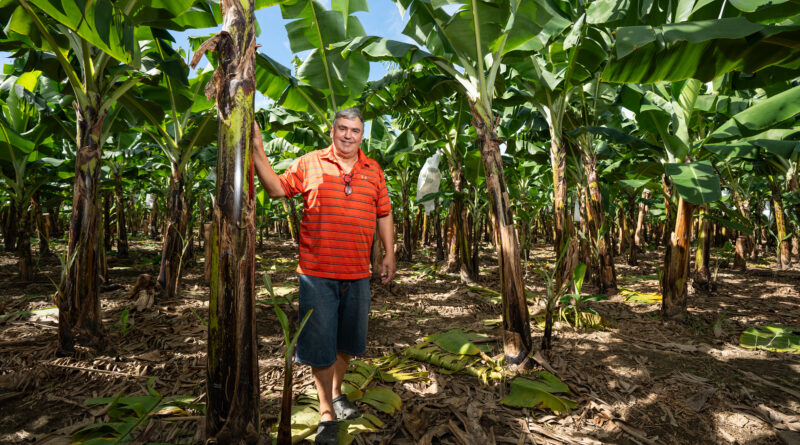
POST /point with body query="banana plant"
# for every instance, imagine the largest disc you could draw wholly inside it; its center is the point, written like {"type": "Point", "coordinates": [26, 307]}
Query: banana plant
{"type": "Point", "coordinates": [424, 100]}
{"type": "Point", "coordinates": [759, 128]}
{"type": "Point", "coordinates": [121, 164]}
{"type": "Point", "coordinates": [233, 395]}
{"type": "Point", "coordinates": [101, 49]}
{"type": "Point", "coordinates": [27, 126]}
{"type": "Point", "coordinates": [470, 46]}
{"type": "Point", "coordinates": [178, 119]}
{"type": "Point", "coordinates": [568, 55]}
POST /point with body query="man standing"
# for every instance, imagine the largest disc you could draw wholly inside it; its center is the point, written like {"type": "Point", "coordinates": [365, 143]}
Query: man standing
{"type": "Point", "coordinates": [344, 194]}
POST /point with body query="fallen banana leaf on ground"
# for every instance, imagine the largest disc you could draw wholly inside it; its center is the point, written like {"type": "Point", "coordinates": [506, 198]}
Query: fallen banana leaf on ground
{"type": "Point", "coordinates": [632, 296]}
{"type": "Point", "coordinates": [772, 338]}
{"type": "Point", "coordinates": [127, 415]}
{"type": "Point", "coordinates": [493, 295]}
{"type": "Point", "coordinates": [43, 312]}
{"type": "Point", "coordinates": [305, 412]}
{"type": "Point", "coordinates": [588, 319]}
{"type": "Point", "coordinates": [450, 362]}
{"type": "Point", "coordinates": [539, 393]}
{"type": "Point", "coordinates": [458, 341]}
{"type": "Point", "coordinates": [383, 399]}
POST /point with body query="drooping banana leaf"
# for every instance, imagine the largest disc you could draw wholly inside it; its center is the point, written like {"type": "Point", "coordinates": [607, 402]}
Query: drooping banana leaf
{"type": "Point", "coordinates": [697, 182]}
{"type": "Point", "coordinates": [760, 116]}
{"type": "Point", "coordinates": [700, 50]}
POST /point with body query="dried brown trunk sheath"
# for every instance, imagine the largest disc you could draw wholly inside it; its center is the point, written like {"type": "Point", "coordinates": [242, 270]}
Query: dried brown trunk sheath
{"type": "Point", "coordinates": [233, 393]}
{"type": "Point", "coordinates": [676, 264]}
{"type": "Point", "coordinates": [78, 302]}
{"type": "Point", "coordinates": [517, 342]}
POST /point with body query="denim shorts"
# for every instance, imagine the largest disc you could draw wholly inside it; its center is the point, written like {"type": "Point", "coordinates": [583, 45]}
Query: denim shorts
{"type": "Point", "coordinates": [339, 320]}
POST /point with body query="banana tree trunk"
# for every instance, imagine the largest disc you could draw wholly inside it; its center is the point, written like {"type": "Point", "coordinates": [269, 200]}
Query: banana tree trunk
{"type": "Point", "coordinates": [598, 228]}
{"type": "Point", "coordinates": [107, 240]}
{"type": "Point", "coordinates": [24, 256]}
{"type": "Point", "coordinates": [586, 256]}
{"type": "Point", "coordinates": [702, 276]}
{"type": "Point", "coordinates": [437, 224]}
{"type": "Point", "coordinates": [122, 230]}
{"type": "Point", "coordinates": [152, 220]}
{"type": "Point", "coordinates": [425, 235]}
{"type": "Point", "coordinates": [291, 219]}
{"type": "Point", "coordinates": [10, 227]}
{"type": "Point", "coordinates": [784, 245]}
{"type": "Point", "coordinates": [517, 342]}
{"type": "Point", "coordinates": [740, 260]}
{"type": "Point", "coordinates": [208, 249]}
{"type": "Point", "coordinates": [629, 231]}
{"type": "Point", "coordinates": [41, 225]}
{"type": "Point", "coordinates": [78, 301]}
{"type": "Point", "coordinates": [756, 212]}
{"type": "Point", "coordinates": [376, 255]}
{"type": "Point", "coordinates": [794, 186]}
{"type": "Point", "coordinates": [666, 187]}
{"type": "Point", "coordinates": [232, 413]}
{"type": "Point", "coordinates": [405, 227]}
{"type": "Point", "coordinates": [174, 236]}
{"type": "Point", "coordinates": [460, 258]}
{"type": "Point", "coordinates": [638, 236]}
{"type": "Point", "coordinates": [676, 264]}
{"type": "Point", "coordinates": [561, 220]}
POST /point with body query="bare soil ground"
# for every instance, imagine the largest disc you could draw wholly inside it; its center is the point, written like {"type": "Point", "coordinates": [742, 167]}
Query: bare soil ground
{"type": "Point", "coordinates": [641, 380]}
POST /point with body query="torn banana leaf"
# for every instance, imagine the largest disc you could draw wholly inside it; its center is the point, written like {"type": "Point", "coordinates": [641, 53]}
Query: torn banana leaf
{"type": "Point", "coordinates": [383, 399]}
{"type": "Point", "coordinates": [539, 394]}
{"type": "Point", "coordinates": [458, 341]}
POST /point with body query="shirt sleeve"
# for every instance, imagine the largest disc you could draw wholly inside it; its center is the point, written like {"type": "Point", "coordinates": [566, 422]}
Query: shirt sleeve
{"type": "Point", "coordinates": [383, 204]}
{"type": "Point", "coordinates": [293, 178]}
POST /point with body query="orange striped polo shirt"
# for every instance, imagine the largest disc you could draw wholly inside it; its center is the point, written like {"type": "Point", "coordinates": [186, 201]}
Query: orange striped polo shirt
{"type": "Point", "coordinates": [337, 230]}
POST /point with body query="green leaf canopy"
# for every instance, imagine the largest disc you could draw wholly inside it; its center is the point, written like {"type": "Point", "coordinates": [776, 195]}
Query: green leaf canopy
{"type": "Point", "coordinates": [697, 182]}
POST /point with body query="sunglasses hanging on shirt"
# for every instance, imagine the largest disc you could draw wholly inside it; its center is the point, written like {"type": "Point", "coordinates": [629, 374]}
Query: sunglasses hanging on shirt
{"type": "Point", "coordinates": [347, 188]}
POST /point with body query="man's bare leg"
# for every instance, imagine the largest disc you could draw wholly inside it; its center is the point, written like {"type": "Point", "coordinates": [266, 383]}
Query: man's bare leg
{"type": "Point", "coordinates": [339, 370]}
{"type": "Point", "coordinates": [323, 378]}
{"type": "Point", "coordinates": [329, 385]}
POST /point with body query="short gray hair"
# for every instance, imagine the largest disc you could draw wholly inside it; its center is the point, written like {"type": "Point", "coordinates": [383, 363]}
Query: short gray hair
{"type": "Point", "coordinates": [349, 113]}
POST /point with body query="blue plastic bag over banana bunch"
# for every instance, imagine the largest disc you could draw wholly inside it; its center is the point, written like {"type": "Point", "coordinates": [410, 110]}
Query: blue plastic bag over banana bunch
{"type": "Point", "coordinates": [428, 181]}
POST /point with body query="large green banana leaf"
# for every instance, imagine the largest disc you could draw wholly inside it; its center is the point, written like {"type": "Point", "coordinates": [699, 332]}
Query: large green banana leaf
{"type": "Point", "coordinates": [760, 116]}
{"type": "Point", "coordinates": [313, 27]}
{"type": "Point", "coordinates": [276, 82]}
{"type": "Point", "coordinates": [105, 25]}
{"type": "Point", "coordinates": [697, 182]}
{"type": "Point", "coordinates": [701, 50]}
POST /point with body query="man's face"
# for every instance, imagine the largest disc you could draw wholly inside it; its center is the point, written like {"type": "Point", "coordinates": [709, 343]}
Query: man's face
{"type": "Point", "coordinates": [347, 135]}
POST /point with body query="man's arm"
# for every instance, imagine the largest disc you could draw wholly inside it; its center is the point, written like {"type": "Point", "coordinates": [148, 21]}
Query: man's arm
{"type": "Point", "coordinates": [266, 175]}
{"type": "Point", "coordinates": [386, 233]}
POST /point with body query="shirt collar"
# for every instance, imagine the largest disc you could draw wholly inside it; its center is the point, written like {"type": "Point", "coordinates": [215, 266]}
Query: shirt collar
{"type": "Point", "coordinates": [363, 160]}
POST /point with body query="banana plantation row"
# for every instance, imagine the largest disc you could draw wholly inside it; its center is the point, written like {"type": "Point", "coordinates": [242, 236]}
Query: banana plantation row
{"type": "Point", "coordinates": [601, 127]}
